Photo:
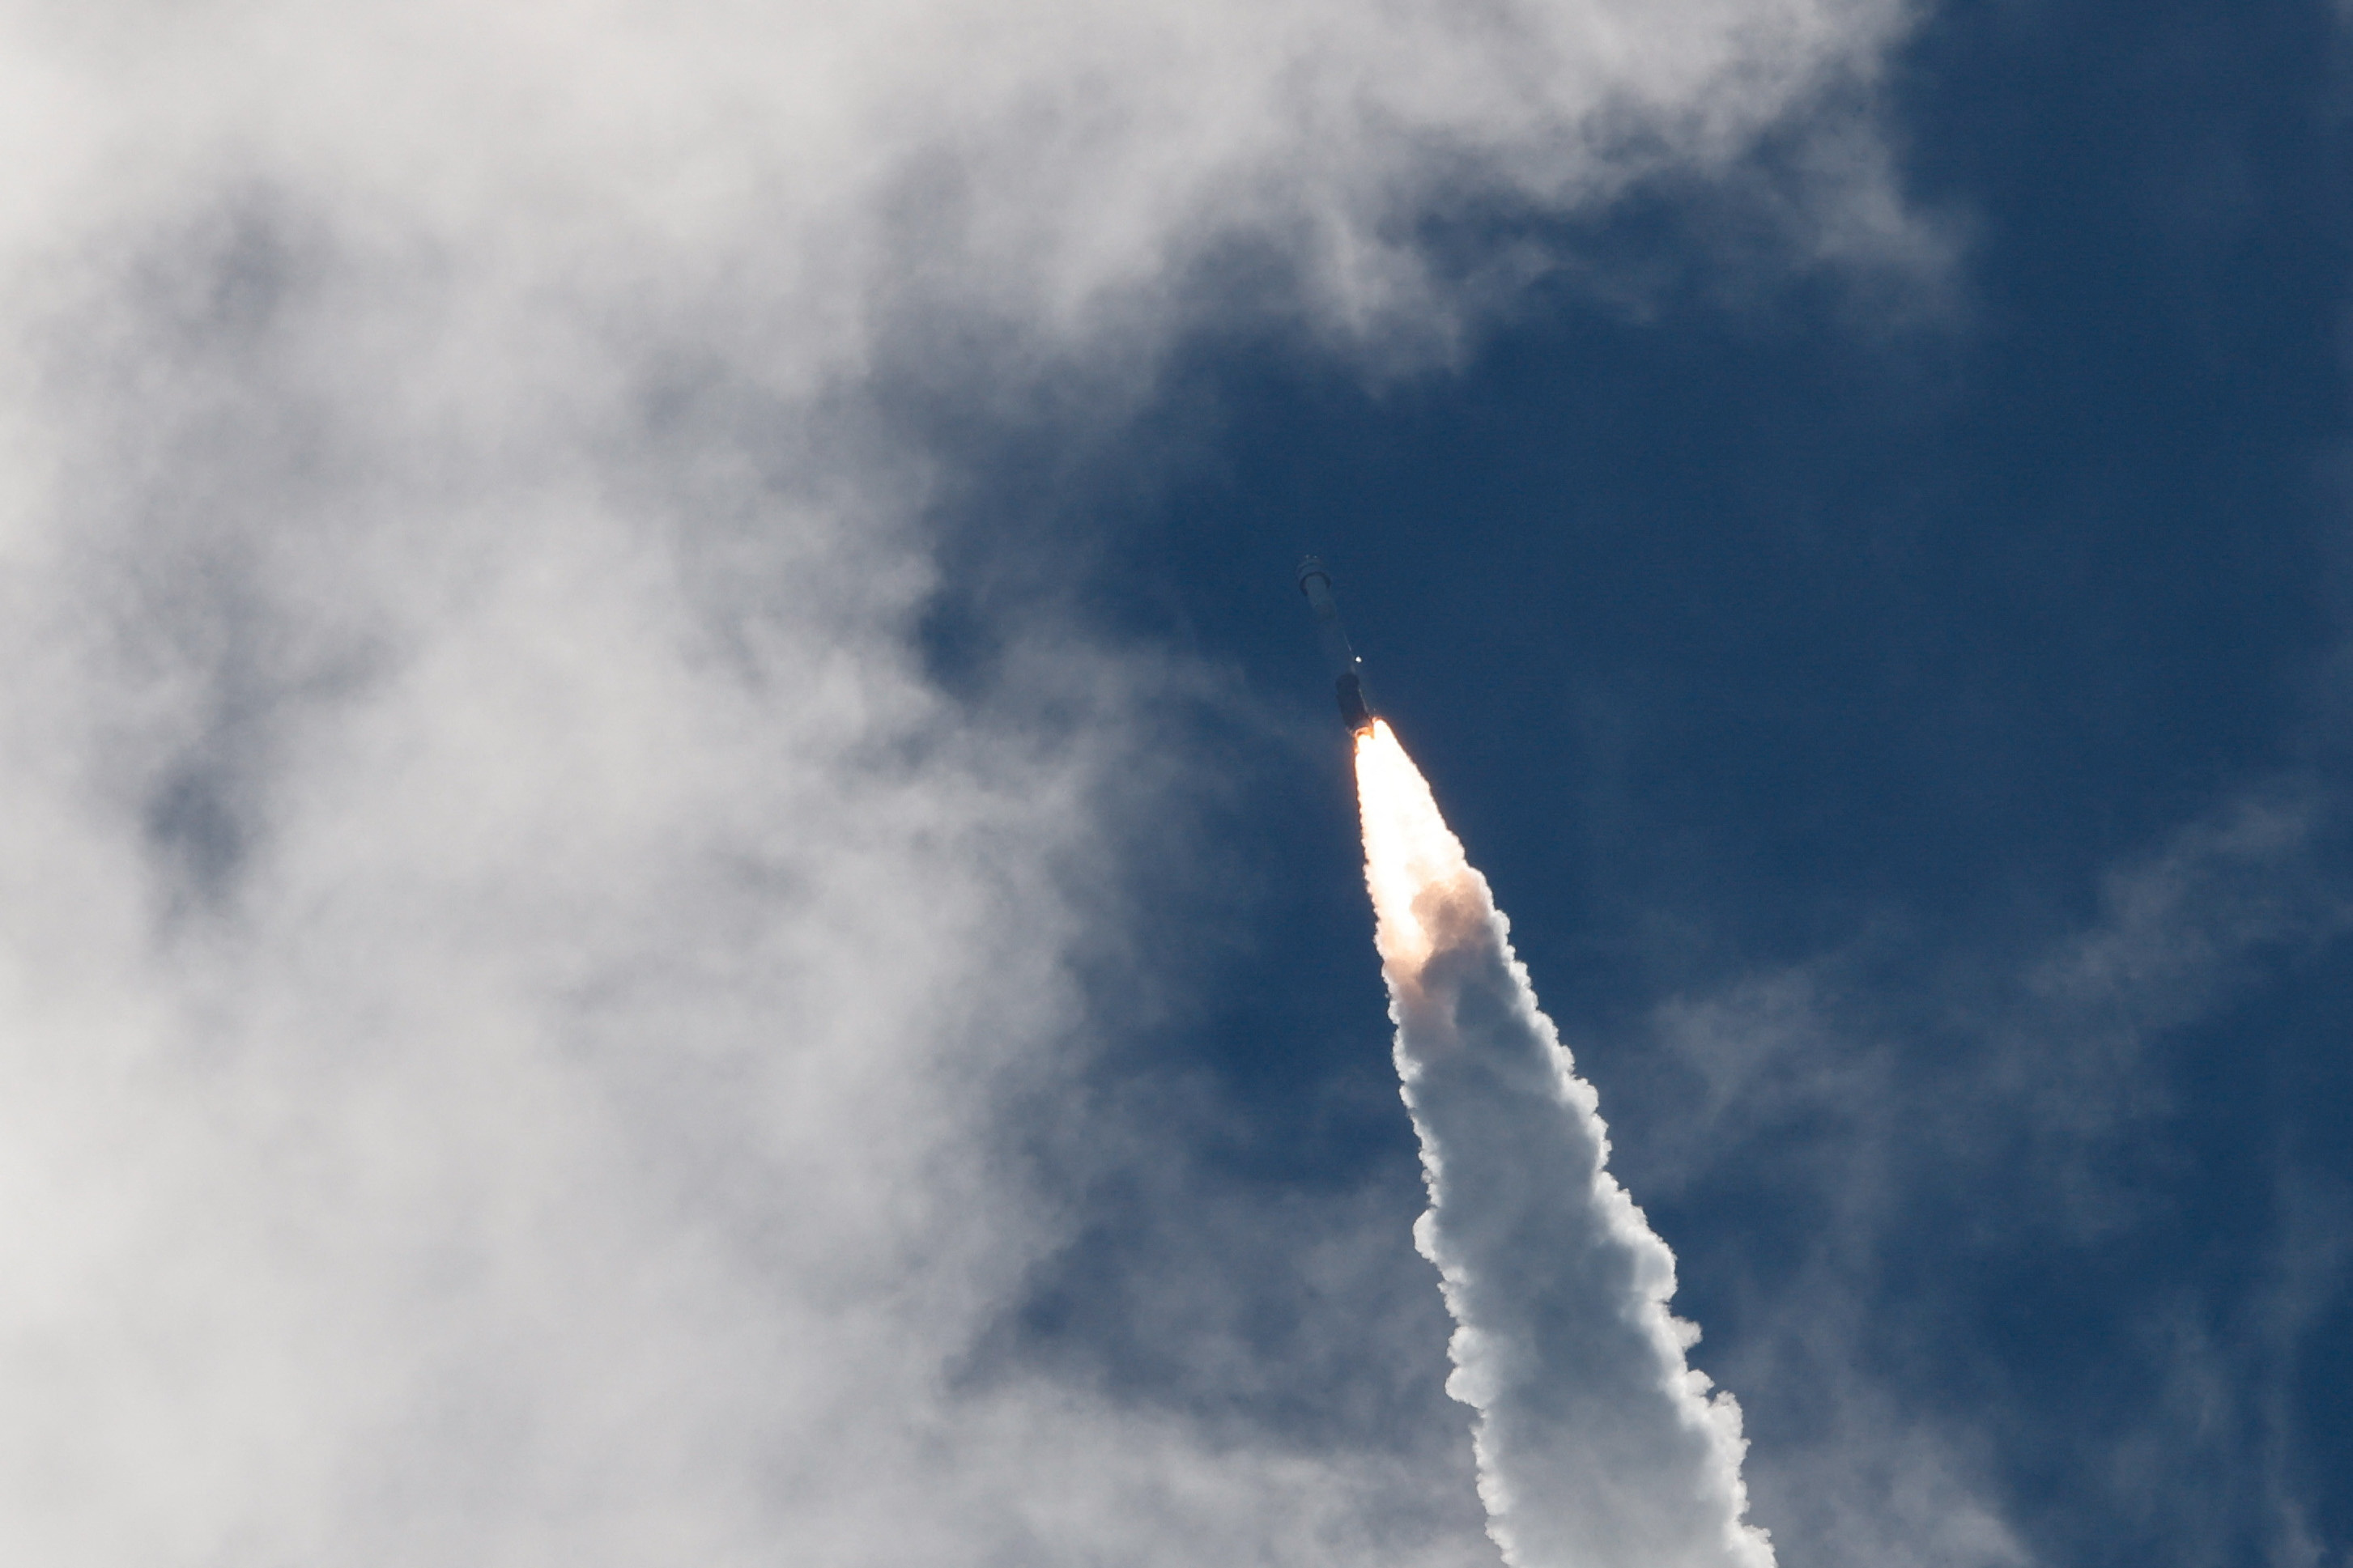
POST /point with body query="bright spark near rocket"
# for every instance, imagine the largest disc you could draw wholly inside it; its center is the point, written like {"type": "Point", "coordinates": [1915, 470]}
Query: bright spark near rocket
{"type": "Point", "coordinates": [1597, 1444]}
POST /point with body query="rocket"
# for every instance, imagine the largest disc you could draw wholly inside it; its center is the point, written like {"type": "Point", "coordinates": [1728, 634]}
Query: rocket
{"type": "Point", "coordinates": [1347, 670]}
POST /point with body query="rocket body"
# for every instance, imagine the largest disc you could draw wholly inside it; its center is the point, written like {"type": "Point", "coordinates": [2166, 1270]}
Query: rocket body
{"type": "Point", "coordinates": [1347, 671]}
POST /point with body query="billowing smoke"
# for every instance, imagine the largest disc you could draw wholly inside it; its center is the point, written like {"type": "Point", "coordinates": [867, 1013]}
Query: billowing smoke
{"type": "Point", "coordinates": [1598, 1445]}
{"type": "Point", "coordinates": [518, 985]}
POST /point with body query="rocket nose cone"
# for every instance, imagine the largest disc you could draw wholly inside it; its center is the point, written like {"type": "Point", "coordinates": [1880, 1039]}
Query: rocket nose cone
{"type": "Point", "coordinates": [1311, 566]}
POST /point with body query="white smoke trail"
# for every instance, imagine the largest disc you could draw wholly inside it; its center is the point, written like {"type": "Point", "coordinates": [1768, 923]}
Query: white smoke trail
{"type": "Point", "coordinates": [517, 987]}
{"type": "Point", "coordinates": [1599, 1446]}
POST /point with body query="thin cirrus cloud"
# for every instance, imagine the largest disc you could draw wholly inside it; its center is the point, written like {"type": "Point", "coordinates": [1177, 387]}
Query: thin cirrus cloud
{"type": "Point", "coordinates": [512, 978]}
{"type": "Point", "coordinates": [2027, 1104]}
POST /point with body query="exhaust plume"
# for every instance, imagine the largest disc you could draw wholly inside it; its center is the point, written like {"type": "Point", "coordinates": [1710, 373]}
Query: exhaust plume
{"type": "Point", "coordinates": [1597, 1445]}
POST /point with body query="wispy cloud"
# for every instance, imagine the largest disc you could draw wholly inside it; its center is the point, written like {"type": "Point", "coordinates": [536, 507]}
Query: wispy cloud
{"type": "Point", "coordinates": [2008, 1110]}
{"type": "Point", "coordinates": [511, 976]}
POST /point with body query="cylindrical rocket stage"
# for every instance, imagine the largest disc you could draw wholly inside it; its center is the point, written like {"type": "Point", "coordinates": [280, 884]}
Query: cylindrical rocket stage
{"type": "Point", "coordinates": [1347, 670]}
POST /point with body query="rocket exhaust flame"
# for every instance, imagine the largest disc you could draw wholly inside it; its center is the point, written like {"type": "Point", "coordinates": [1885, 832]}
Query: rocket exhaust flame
{"type": "Point", "coordinates": [1597, 1444]}
{"type": "Point", "coordinates": [1414, 866]}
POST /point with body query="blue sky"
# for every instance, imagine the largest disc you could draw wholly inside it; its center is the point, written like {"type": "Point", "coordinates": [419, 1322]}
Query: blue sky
{"type": "Point", "coordinates": [676, 882]}
{"type": "Point", "coordinates": [1841, 666]}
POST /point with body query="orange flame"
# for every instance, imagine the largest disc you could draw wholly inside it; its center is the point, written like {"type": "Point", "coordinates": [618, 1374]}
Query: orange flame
{"type": "Point", "coordinates": [1414, 865]}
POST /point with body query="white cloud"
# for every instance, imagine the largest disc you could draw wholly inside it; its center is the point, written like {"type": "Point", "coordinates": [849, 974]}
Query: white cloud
{"type": "Point", "coordinates": [510, 976]}
{"type": "Point", "coordinates": [2015, 1104]}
